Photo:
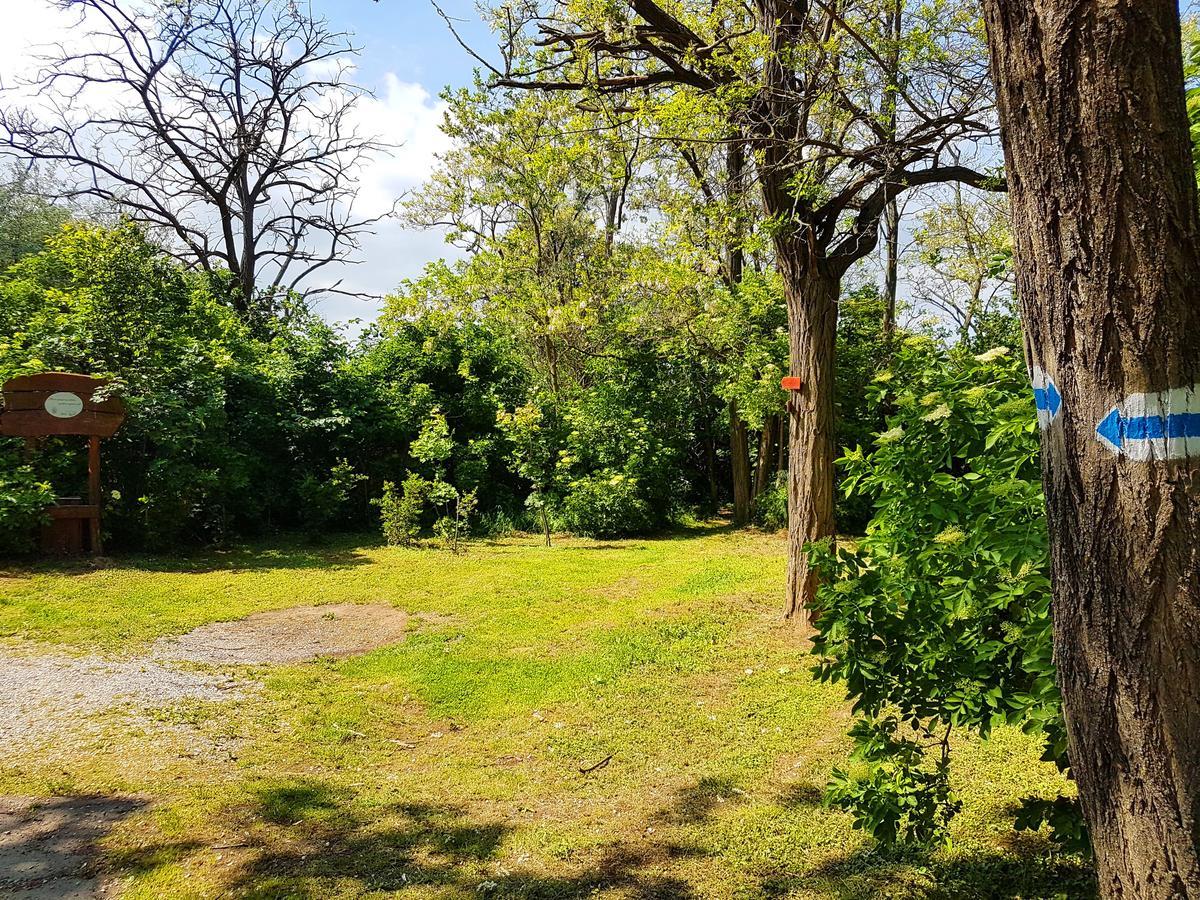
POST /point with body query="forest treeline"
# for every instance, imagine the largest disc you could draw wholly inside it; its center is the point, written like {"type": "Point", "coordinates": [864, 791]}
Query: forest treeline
{"type": "Point", "coordinates": [621, 421]}
{"type": "Point", "coordinates": [589, 362]}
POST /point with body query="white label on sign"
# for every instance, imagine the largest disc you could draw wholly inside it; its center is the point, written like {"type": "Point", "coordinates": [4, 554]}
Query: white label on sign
{"type": "Point", "coordinates": [64, 405]}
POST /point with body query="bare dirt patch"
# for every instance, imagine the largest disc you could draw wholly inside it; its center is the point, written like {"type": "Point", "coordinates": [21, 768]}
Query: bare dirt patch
{"type": "Point", "coordinates": [48, 847]}
{"type": "Point", "coordinates": [289, 635]}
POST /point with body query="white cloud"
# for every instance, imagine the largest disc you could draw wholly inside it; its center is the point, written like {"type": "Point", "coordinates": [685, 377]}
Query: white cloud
{"type": "Point", "coordinates": [29, 25]}
{"type": "Point", "coordinates": [406, 116]}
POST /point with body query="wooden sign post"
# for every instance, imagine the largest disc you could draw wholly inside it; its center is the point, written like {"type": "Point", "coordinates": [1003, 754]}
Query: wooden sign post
{"type": "Point", "coordinates": [61, 403]}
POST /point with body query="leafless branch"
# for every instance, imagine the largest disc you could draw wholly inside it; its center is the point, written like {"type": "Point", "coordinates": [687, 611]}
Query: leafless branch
{"type": "Point", "coordinates": [226, 124]}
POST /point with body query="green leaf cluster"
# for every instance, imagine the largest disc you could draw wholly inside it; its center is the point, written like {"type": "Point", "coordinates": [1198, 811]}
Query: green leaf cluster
{"type": "Point", "coordinates": [938, 619]}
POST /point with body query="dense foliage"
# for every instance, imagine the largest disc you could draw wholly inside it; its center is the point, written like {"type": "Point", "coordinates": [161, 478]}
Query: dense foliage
{"type": "Point", "coordinates": [241, 424]}
{"type": "Point", "coordinates": [938, 618]}
{"type": "Point", "coordinates": [235, 428]}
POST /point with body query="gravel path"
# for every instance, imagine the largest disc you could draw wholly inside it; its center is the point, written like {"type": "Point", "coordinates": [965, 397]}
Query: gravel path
{"type": "Point", "coordinates": [47, 847]}
{"type": "Point", "coordinates": [289, 635]}
{"type": "Point", "coordinates": [44, 694]}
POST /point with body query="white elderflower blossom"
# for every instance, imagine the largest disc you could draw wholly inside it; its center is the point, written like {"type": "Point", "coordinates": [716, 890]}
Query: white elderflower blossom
{"type": "Point", "coordinates": [992, 355]}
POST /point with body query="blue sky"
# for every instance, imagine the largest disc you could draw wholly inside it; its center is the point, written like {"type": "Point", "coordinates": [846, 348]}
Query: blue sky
{"type": "Point", "coordinates": [408, 38]}
{"type": "Point", "coordinates": [404, 42]}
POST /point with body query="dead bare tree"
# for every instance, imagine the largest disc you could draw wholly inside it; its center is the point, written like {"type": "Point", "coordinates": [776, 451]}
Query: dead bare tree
{"type": "Point", "coordinates": [228, 125]}
{"type": "Point", "coordinates": [811, 86]}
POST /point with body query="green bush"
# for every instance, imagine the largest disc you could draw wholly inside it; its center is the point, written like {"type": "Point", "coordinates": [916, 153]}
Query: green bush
{"type": "Point", "coordinates": [939, 617]}
{"type": "Point", "coordinates": [771, 506]}
{"type": "Point", "coordinates": [606, 506]}
{"type": "Point", "coordinates": [400, 511]}
{"type": "Point", "coordinates": [324, 499]}
{"type": "Point", "coordinates": [23, 505]}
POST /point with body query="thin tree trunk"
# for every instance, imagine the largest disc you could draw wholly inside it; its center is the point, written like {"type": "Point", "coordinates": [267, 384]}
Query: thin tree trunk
{"type": "Point", "coordinates": [735, 171]}
{"type": "Point", "coordinates": [739, 451]}
{"type": "Point", "coordinates": [765, 464]}
{"type": "Point", "coordinates": [739, 446]}
{"type": "Point", "coordinates": [891, 212]}
{"type": "Point", "coordinates": [891, 274]}
{"type": "Point", "coordinates": [1105, 218]}
{"type": "Point", "coordinates": [812, 313]}
{"type": "Point", "coordinates": [710, 458]}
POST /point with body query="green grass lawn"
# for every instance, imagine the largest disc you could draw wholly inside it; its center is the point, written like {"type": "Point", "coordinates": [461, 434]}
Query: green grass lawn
{"type": "Point", "coordinates": [451, 765]}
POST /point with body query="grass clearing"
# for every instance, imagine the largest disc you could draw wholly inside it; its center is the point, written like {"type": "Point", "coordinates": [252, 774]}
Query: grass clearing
{"type": "Point", "coordinates": [618, 719]}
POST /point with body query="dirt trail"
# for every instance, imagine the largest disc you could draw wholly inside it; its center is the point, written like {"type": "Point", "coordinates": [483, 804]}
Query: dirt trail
{"type": "Point", "coordinates": [47, 846]}
{"type": "Point", "coordinates": [49, 694]}
{"type": "Point", "coordinates": [289, 635]}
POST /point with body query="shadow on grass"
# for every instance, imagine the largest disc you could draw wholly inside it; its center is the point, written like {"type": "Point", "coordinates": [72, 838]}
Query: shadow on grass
{"type": "Point", "coordinates": [287, 553]}
{"type": "Point", "coordinates": [1034, 870]}
{"type": "Point", "coordinates": [50, 847]}
{"type": "Point", "coordinates": [305, 838]}
{"type": "Point", "coordinates": [802, 794]}
{"type": "Point", "coordinates": [420, 845]}
{"type": "Point", "coordinates": [1030, 867]}
{"type": "Point", "coordinates": [697, 803]}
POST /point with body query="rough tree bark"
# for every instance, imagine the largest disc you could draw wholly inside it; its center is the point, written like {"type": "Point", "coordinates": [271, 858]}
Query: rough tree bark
{"type": "Point", "coordinates": [812, 297]}
{"type": "Point", "coordinates": [1105, 215]}
{"type": "Point", "coordinates": [739, 452]}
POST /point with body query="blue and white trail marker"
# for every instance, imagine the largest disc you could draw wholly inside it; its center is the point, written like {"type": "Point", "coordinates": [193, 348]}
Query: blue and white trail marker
{"type": "Point", "coordinates": [1046, 397]}
{"type": "Point", "coordinates": [1165, 425]}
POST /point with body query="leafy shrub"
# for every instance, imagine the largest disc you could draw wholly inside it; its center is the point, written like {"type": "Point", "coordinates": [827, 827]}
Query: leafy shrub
{"type": "Point", "coordinates": [324, 499]}
{"type": "Point", "coordinates": [771, 506]}
{"type": "Point", "coordinates": [606, 506]}
{"type": "Point", "coordinates": [23, 505]}
{"type": "Point", "coordinates": [454, 526]}
{"type": "Point", "coordinates": [939, 617]}
{"type": "Point", "coordinates": [497, 524]}
{"type": "Point", "coordinates": [535, 435]}
{"type": "Point", "coordinates": [400, 510]}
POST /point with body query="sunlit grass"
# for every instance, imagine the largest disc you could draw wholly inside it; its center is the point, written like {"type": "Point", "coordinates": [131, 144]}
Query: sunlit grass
{"type": "Point", "coordinates": [619, 719]}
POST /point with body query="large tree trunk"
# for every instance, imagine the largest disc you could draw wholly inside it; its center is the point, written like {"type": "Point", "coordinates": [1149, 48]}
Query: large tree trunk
{"type": "Point", "coordinates": [812, 314]}
{"type": "Point", "coordinates": [739, 452]}
{"type": "Point", "coordinates": [1104, 212]}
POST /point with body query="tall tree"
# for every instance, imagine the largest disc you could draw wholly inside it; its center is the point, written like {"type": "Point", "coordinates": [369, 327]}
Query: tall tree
{"type": "Point", "coordinates": [801, 81]}
{"type": "Point", "coordinates": [537, 202]}
{"type": "Point", "coordinates": [27, 218]}
{"type": "Point", "coordinates": [1104, 212]}
{"type": "Point", "coordinates": [226, 124]}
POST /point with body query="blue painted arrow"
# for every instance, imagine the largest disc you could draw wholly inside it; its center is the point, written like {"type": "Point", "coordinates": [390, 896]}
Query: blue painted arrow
{"type": "Point", "coordinates": [1048, 399]}
{"type": "Point", "coordinates": [1117, 429]}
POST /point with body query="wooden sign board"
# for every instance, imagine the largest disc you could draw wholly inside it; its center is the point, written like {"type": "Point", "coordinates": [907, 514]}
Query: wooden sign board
{"type": "Point", "coordinates": [59, 403]}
